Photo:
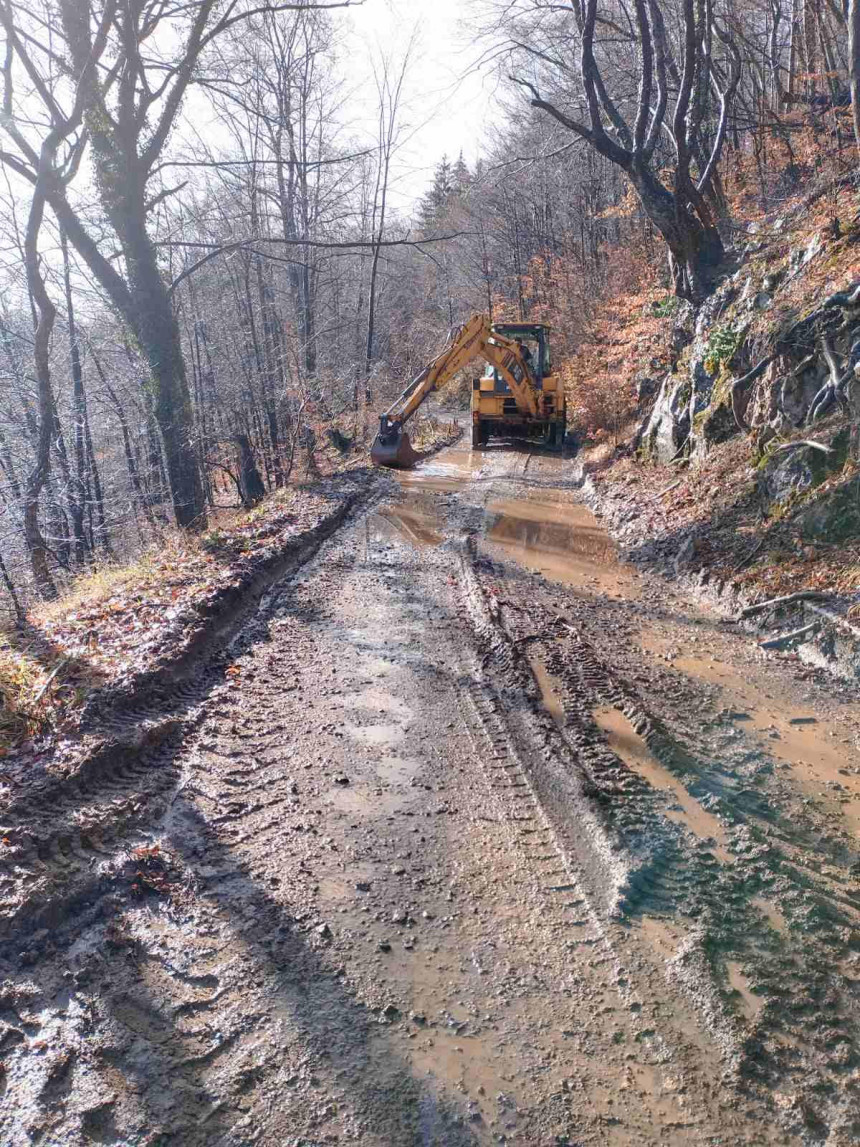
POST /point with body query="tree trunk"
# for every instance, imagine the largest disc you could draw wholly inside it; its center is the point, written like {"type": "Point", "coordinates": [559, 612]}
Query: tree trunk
{"type": "Point", "coordinates": [251, 488]}
{"type": "Point", "coordinates": [695, 248]}
{"type": "Point", "coordinates": [10, 589]}
{"type": "Point", "coordinates": [199, 404]}
{"type": "Point", "coordinates": [854, 62]}
{"type": "Point", "coordinates": [144, 303]}
{"type": "Point", "coordinates": [147, 308]}
{"type": "Point", "coordinates": [77, 485]}
{"type": "Point", "coordinates": [792, 59]}
{"type": "Point", "coordinates": [101, 534]}
{"type": "Point", "coordinates": [269, 378]}
{"type": "Point", "coordinates": [158, 331]}
{"type": "Point", "coordinates": [47, 314]}
{"type": "Point", "coordinates": [309, 333]}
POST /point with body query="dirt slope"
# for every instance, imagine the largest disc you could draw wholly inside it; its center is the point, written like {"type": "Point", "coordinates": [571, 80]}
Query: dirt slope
{"type": "Point", "coordinates": [471, 835]}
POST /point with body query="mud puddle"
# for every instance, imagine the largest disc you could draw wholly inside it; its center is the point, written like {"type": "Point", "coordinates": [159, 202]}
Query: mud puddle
{"type": "Point", "coordinates": [548, 689]}
{"type": "Point", "coordinates": [417, 516]}
{"type": "Point", "coordinates": [562, 541]}
{"type": "Point", "coordinates": [684, 809]}
{"type": "Point", "coordinates": [819, 751]}
{"type": "Point", "coordinates": [414, 521]}
{"type": "Point", "coordinates": [448, 476]}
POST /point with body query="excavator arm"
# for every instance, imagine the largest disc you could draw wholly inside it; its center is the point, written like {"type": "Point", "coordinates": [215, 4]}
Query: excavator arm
{"type": "Point", "coordinates": [475, 339]}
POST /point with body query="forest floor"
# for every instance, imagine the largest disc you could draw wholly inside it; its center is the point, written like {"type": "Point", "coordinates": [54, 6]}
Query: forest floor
{"type": "Point", "coordinates": [462, 832]}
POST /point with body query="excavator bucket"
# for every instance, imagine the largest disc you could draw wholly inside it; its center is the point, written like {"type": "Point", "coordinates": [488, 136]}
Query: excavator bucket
{"type": "Point", "coordinates": [392, 447]}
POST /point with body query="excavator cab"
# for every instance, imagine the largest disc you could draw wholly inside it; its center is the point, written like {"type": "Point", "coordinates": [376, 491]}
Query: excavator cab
{"type": "Point", "coordinates": [533, 341]}
{"type": "Point", "coordinates": [495, 409]}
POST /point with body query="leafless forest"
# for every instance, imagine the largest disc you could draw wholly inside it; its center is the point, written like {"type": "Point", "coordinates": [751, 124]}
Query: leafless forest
{"type": "Point", "coordinates": [201, 262]}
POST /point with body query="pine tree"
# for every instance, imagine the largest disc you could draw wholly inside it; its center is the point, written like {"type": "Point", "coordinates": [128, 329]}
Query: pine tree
{"type": "Point", "coordinates": [432, 206]}
{"type": "Point", "coordinates": [462, 177]}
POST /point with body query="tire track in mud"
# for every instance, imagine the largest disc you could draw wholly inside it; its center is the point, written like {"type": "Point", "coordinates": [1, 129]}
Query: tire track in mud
{"type": "Point", "coordinates": [605, 871]}
{"type": "Point", "coordinates": [781, 998]}
{"type": "Point", "coordinates": [604, 876]}
{"type": "Point", "coordinates": [229, 861]}
{"type": "Point", "coordinates": [783, 1005]}
{"type": "Point", "coordinates": [597, 846]}
{"type": "Point", "coordinates": [70, 832]}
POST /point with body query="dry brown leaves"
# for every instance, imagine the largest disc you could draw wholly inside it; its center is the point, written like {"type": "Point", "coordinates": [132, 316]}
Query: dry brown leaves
{"type": "Point", "coordinates": [122, 621]}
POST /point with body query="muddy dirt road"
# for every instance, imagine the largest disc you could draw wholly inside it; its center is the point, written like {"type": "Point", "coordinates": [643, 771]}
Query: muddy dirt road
{"type": "Point", "coordinates": [472, 835]}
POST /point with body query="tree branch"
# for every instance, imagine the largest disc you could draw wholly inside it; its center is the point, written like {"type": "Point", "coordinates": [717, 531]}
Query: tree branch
{"type": "Point", "coordinates": [646, 80]}
{"type": "Point", "coordinates": [216, 249]}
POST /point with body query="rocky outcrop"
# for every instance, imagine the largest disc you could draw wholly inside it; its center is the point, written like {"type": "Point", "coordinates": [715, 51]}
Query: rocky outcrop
{"type": "Point", "coordinates": [668, 425]}
{"type": "Point", "coordinates": [791, 474]}
{"type": "Point", "coordinates": [833, 518]}
{"type": "Point", "coordinates": [749, 318]}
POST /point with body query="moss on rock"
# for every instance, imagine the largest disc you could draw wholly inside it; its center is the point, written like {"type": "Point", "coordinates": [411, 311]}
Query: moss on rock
{"type": "Point", "coordinates": [716, 423]}
{"type": "Point", "coordinates": [835, 517]}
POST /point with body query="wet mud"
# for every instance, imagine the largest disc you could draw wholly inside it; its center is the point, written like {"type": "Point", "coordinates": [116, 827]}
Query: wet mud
{"type": "Point", "coordinates": [470, 835]}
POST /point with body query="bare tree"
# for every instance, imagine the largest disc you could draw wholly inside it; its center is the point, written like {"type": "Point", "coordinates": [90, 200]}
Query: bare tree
{"type": "Point", "coordinates": [129, 69]}
{"type": "Point", "coordinates": [389, 89]}
{"type": "Point", "coordinates": [854, 62]}
{"type": "Point", "coordinates": [677, 76]}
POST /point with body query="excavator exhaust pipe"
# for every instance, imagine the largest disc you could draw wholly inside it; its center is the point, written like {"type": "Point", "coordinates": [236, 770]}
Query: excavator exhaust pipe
{"type": "Point", "coordinates": [392, 446]}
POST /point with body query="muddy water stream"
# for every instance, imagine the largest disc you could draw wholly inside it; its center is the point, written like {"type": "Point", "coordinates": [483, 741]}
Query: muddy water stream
{"type": "Point", "coordinates": [566, 544]}
{"type": "Point", "coordinates": [818, 750]}
{"type": "Point", "coordinates": [562, 541]}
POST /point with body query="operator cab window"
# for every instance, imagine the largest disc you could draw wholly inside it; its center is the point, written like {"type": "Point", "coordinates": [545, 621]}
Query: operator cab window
{"type": "Point", "coordinates": [533, 346]}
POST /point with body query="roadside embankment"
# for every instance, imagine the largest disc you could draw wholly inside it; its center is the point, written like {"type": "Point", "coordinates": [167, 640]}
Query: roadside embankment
{"type": "Point", "coordinates": [704, 529]}
{"type": "Point", "coordinates": [738, 472]}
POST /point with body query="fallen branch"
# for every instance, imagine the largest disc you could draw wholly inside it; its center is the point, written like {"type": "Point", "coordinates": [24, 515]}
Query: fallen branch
{"type": "Point", "coordinates": [803, 442]}
{"type": "Point", "coordinates": [60, 665]}
{"type": "Point", "coordinates": [835, 619]}
{"type": "Point", "coordinates": [787, 638]}
{"type": "Point", "coordinates": [789, 599]}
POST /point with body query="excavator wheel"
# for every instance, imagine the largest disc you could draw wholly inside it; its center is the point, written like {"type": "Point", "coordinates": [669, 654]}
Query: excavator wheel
{"type": "Point", "coordinates": [480, 435]}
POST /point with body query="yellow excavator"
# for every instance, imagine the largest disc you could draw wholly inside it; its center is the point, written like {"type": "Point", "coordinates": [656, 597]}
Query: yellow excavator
{"type": "Point", "coordinates": [518, 394]}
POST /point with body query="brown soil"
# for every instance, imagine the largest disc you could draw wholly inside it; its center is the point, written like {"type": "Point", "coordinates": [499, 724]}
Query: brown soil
{"type": "Point", "coordinates": [718, 503]}
{"type": "Point", "coordinates": [465, 834]}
